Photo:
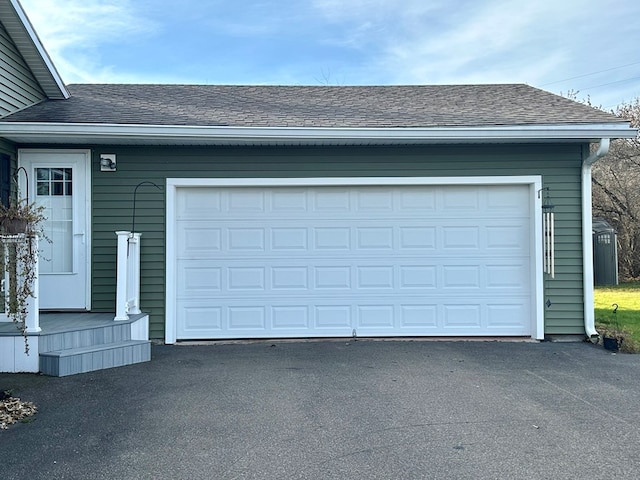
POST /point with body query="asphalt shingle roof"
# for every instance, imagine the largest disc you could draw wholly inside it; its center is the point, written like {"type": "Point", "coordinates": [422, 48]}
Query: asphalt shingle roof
{"type": "Point", "coordinates": [312, 106]}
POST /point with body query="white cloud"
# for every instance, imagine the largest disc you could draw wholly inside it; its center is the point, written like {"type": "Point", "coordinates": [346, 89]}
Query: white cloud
{"type": "Point", "coordinates": [74, 31]}
{"type": "Point", "coordinates": [344, 42]}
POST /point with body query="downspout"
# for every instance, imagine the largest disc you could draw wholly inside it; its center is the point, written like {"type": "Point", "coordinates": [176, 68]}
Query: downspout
{"type": "Point", "coordinates": [587, 241]}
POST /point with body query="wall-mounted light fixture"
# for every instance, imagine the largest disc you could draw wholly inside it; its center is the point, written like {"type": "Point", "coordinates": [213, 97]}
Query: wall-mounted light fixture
{"type": "Point", "coordinates": [107, 162]}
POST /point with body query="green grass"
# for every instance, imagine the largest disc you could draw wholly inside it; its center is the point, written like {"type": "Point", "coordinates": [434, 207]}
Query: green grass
{"type": "Point", "coordinates": [627, 297]}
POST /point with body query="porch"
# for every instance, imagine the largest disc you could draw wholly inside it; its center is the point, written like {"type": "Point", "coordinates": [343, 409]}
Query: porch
{"type": "Point", "coordinates": [75, 342]}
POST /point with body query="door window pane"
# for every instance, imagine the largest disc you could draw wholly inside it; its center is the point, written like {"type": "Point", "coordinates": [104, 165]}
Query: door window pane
{"type": "Point", "coordinates": [54, 192]}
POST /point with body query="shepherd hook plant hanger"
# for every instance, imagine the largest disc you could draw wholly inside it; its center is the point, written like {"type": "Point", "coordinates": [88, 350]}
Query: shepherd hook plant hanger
{"type": "Point", "coordinates": [135, 193]}
{"type": "Point", "coordinates": [15, 176]}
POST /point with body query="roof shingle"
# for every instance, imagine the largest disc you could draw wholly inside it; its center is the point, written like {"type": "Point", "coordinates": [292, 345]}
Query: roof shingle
{"type": "Point", "coordinates": [313, 106]}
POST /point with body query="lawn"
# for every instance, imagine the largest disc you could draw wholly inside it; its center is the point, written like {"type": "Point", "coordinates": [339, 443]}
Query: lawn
{"type": "Point", "coordinates": [627, 297]}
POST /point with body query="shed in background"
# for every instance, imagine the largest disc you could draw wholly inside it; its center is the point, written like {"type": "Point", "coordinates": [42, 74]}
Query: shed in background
{"type": "Point", "coordinates": [605, 253]}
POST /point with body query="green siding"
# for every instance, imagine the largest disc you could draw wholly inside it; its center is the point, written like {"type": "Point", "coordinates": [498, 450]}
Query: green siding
{"type": "Point", "coordinates": [19, 89]}
{"type": "Point", "coordinates": [7, 148]}
{"type": "Point", "coordinates": [112, 199]}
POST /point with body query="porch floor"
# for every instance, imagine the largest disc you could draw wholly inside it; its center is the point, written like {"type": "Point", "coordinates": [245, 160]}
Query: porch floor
{"type": "Point", "coordinates": [59, 322]}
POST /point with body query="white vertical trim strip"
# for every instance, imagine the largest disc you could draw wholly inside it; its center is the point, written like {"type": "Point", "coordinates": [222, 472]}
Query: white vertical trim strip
{"type": "Point", "coordinates": [537, 260]}
{"type": "Point", "coordinates": [170, 264]}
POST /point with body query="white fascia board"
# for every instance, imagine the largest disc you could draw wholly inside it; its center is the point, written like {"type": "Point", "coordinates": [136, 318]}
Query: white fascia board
{"type": "Point", "coordinates": [33, 36]}
{"type": "Point", "coordinates": [301, 135]}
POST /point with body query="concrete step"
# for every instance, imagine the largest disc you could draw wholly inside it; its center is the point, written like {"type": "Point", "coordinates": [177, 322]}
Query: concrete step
{"type": "Point", "coordinates": [85, 337]}
{"type": "Point", "coordinates": [60, 363]}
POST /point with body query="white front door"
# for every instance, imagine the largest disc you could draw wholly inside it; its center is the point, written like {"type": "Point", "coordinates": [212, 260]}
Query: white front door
{"type": "Point", "coordinates": [59, 181]}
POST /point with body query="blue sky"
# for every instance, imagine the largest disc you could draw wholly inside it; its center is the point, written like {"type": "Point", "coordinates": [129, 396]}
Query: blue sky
{"type": "Point", "coordinates": [557, 45]}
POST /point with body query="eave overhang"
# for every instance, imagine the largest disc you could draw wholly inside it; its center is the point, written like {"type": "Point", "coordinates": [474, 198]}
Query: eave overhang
{"type": "Point", "coordinates": [118, 134]}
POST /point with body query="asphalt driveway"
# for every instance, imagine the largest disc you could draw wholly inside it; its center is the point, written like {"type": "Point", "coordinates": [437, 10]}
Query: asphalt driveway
{"type": "Point", "coordinates": [324, 410]}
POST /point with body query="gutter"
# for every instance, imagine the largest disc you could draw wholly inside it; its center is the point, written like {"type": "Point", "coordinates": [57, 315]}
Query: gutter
{"type": "Point", "coordinates": [587, 242]}
{"type": "Point", "coordinates": [45, 132]}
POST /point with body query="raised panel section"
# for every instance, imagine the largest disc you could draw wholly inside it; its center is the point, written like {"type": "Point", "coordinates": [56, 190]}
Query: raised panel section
{"type": "Point", "coordinates": [501, 316]}
{"type": "Point", "coordinates": [417, 238]}
{"type": "Point", "coordinates": [418, 276]}
{"type": "Point", "coordinates": [375, 316]}
{"type": "Point", "coordinates": [372, 200]}
{"type": "Point", "coordinates": [462, 316]}
{"type": "Point", "coordinates": [375, 238]}
{"type": "Point", "coordinates": [295, 278]}
{"type": "Point", "coordinates": [333, 316]}
{"type": "Point", "coordinates": [289, 238]}
{"type": "Point", "coordinates": [243, 201]}
{"type": "Point", "coordinates": [333, 277]}
{"type": "Point", "coordinates": [199, 242]}
{"type": "Point", "coordinates": [247, 318]}
{"type": "Point", "coordinates": [200, 280]}
{"type": "Point", "coordinates": [332, 238]}
{"type": "Point", "coordinates": [467, 238]}
{"type": "Point", "coordinates": [421, 316]}
{"type": "Point", "coordinates": [246, 278]}
{"type": "Point", "coordinates": [246, 239]}
{"type": "Point", "coordinates": [375, 277]}
{"type": "Point", "coordinates": [332, 200]}
{"type": "Point", "coordinates": [506, 276]}
{"type": "Point", "coordinates": [198, 319]}
{"type": "Point", "coordinates": [200, 204]}
{"type": "Point", "coordinates": [289, 201]}
{"type": "Point", "coordinates": [461, 276]}
{"type": "Point", "coordinates": [294, 317]}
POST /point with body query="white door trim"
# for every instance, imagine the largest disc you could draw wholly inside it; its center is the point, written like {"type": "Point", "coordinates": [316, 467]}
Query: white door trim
{"type": "Point", "coordinates": [85, 214]}
{"type": "Point", "coordinates": [533, 181]}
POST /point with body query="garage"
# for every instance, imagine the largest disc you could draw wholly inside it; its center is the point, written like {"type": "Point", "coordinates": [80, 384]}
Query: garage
{"type": "Point", "coordinates": [337, 258]}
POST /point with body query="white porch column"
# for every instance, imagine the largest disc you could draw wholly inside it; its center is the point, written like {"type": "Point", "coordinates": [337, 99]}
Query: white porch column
{"type": "Point", "coordinates": [121, 276]}
{"type": "Point", "coordinates": [133, 272]}
{"type": "Point", "coordinates": [32, 321]}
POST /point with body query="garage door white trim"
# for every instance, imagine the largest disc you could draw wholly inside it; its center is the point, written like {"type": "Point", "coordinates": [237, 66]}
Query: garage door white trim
{"type": "Point", "coordinates": [535, 228]}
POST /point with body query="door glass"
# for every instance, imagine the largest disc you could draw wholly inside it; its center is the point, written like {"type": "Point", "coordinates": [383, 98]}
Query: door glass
{"type": "Point", "coordinates": [54, 188]}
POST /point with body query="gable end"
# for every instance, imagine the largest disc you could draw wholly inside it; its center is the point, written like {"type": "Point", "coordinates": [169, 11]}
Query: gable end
{"type": "Point", "coordinates": [20, 89]}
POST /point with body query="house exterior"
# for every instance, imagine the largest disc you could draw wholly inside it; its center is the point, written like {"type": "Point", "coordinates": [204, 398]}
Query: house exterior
{"type": "Point", "coordinates": [309, 211]}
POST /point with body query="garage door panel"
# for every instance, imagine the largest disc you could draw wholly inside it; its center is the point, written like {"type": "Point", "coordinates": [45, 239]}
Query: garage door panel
{"type": "Point", "coordinates": [362, 277]}
{"type": "Point", "coordinates": [325, 261]}
{"type": "Point", "coordinates": [331, 317]}
{"type": "Point", "coordinates": [211, 238]}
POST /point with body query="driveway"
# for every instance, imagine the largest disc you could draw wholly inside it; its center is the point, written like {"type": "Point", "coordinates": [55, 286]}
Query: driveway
{"type": "Point", "coordinates": [336, 410]}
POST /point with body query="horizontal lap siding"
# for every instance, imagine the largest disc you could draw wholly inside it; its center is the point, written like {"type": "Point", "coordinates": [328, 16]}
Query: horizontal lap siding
{"type": "Point", "coordinates": [560, 166]}
{"type": "Point", "coordinates": [19, 87]}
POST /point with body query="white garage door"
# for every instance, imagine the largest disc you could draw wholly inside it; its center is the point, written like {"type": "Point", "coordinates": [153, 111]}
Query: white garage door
{"type": "Point", "coordinates": [326, 261]}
